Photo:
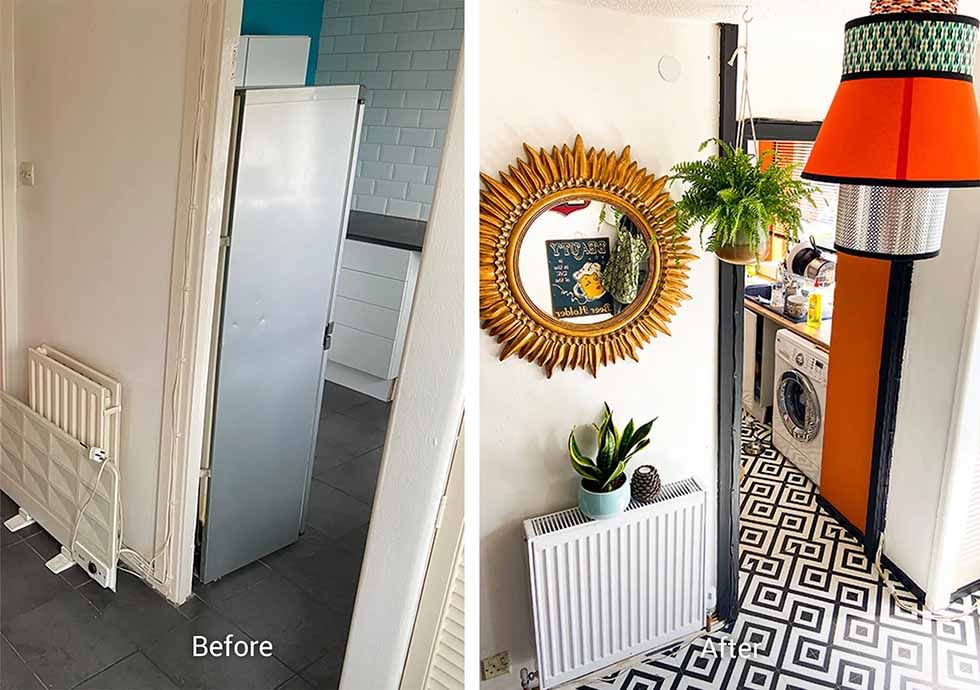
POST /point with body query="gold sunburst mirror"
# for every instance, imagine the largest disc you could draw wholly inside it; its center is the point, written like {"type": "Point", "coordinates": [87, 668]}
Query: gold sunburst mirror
{"type": "Point", "coordinates": [580, 265]}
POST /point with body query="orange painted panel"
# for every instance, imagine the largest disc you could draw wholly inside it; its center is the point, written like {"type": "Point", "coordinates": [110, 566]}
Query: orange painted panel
{"type": "Point", "coordinates": [860, 300]}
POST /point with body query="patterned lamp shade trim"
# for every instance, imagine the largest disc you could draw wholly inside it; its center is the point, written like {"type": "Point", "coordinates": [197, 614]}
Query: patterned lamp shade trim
{"type": "Point", "coordinates": [885, 6]}
{"type": "Point", "coordinates": [902, 45]}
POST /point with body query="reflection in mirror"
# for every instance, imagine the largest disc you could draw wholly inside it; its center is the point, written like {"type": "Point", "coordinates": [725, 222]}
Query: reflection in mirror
{"type": "Point", "coordinates": [582, 261]}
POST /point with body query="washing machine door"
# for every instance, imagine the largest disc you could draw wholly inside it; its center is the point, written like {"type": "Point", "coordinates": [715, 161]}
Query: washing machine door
{"type": "Point", "coordinates": [798, 405]}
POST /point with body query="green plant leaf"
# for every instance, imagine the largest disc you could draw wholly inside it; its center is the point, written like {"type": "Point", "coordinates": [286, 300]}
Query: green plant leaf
{"type": "Point", "coordinates": [624, 441]}
{"type": "Point", "coordinates": [640, 446]}
{"type": "Point", "coordinates": [614, 475]}
{"type": "Point", "coordinates": [606, 458]}
{"type": "Point", "coordinates": [582, 464]}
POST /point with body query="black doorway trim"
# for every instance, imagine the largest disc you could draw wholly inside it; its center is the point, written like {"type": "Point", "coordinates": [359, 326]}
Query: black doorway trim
{"type": "Point", "coordinates": [889, 384]}
{"type": "Point", "coordinates": [784, 130]}
{"type": "Point", "coordinates": [731, 287]}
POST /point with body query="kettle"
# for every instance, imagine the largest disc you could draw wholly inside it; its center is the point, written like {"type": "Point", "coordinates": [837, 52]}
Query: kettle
{"type": "Point", "coordinates": [806, 260]}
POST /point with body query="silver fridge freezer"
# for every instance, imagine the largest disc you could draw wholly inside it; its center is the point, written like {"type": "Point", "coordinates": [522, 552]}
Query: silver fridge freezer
{"type": "Point", "coordinates": [287, 203]}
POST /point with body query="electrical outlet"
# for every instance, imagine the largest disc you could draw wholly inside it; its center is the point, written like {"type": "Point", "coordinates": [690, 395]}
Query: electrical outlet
{"type": "Point", "coordinates": [712, 599]}
{"type": "Point", "coordinates": [494, 666]}
{"type": "Point", "coordinates": [26, 172]}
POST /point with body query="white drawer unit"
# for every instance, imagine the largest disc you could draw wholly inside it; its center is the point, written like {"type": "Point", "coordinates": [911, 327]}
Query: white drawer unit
{"type": "Point", "coordinates": [374, 304]}
{"type": "Point", "coordinates": [272, 61]}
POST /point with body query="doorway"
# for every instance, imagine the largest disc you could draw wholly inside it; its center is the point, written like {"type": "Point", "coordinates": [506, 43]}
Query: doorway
{"type": "Point", "coordinates": [742, 323]}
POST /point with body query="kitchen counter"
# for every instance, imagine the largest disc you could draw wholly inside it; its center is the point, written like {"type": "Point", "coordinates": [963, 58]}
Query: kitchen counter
{"type": "Point", "coordinates": [388, 231]}
{"type": "Point", "coordinates": [819, 336]}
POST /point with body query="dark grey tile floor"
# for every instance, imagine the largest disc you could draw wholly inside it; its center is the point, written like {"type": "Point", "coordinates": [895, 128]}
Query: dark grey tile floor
{"type": "Point", "coordinates": [64, 631]}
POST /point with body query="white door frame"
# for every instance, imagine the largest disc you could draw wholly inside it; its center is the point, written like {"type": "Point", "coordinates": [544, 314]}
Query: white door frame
{"type": "Point", "coordinates": [447, 547]}
{"type": "Point", "coordinates": [421, 439]}
{"type": "Point", "coordinates": [215, 26]}
{"type": "Point", "coordinates": [8, 196]}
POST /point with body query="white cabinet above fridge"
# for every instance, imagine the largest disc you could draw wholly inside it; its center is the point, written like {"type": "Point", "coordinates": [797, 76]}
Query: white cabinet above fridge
{"type": "Point", "coordinates": [272, 61]}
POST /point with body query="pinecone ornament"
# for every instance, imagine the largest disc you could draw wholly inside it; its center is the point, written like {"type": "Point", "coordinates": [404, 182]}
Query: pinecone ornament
{"type": "Point", "coordinates": [645, 484]}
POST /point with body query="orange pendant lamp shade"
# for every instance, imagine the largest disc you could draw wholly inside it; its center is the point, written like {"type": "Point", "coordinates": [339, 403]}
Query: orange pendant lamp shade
{"type": "Point", "coordinates": [903, 127]}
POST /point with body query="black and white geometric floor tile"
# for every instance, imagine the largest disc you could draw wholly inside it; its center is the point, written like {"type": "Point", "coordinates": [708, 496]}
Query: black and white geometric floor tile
{"type": "Point", "coordinates": [810, 606]}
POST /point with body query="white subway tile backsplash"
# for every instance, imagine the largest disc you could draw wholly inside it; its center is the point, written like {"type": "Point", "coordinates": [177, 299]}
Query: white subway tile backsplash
{"type": "Point", "coordinates": [409, 80]}
{"type": "Point", "coordinates": [350, 8]}
{"type": "Point", "coordinates": [403, 117]}
{"type": "Point", "coordinates": [377, 171]}
{"type": "Point", "coordinates": [404, 52]}
{"type": "Point", "coordinates": [416, 137]}
{"type": "Point", "coordinates": [337, 77]}
{"type": "Point", "coordinates": [371, 204]}
{"type": "Point", "coordinates": [376, 80]}
{"type": "Point", "coordinates": [407, 21]}
{"type": "Point", "coordinates": [386, 5]}
{"type": "Point", "coordinates": [422, 193]}
{"type": "Point", "coordinates": [363, 185]}
{"type": "Point", "coordinates": [395, 60]}
{"type": "Point", "coordinates": [336, 27]}
{"type": "Point", "coordinates": [332, 63]}
{"type": "Point", "coordinates": [361, 62]}
{"type": "Point", "coordinates": [448, 39]}
{"type": "Point", "coordinates": [435, 119]}
{"type": "Point", "coordinates": [422, 99]}
{"type": "Point", "coordinates": [381, 135]}
{"type": "Point", "coordinates": [428, 157]}
{"type": "Point", "coordinates": [415, 40]}
{"type": "Point", "coordinates": [397, 154]}
{"type": "Point", "coordinates": [379, 43]}
{"type": "Point", "coordinates": [348, 44]}
{"type": "Point", "coordinates": [438, 19]}
{"type": "Point", "coordinates": [369, 152]}
{"type": "Point", "coordinates": [441, 79]}
{"type": "Point", "coordinates": [430, 59]}
{"type": "Point", "coordinates": [386, 99]}
{"type": "Point", "coordinates": [375, 116]}
{"type": "Point", "coordinates": [366, 24]}
{"type": "Point", "coordinates": [412, 173]}
{"type": "Point", "coordinates": [404, 209]}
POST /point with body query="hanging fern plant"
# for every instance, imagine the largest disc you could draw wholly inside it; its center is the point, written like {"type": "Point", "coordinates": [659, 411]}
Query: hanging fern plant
{"type": "Point", "coordinates": [736, 198]}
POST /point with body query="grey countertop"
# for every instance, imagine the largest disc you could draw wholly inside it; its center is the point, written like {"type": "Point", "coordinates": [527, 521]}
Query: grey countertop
{"type": "Point", "coordinates": [374, 228]}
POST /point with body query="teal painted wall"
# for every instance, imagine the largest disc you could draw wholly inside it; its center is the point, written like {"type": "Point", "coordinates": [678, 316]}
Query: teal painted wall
{"type": "Point", "coordinates": [286, 18]}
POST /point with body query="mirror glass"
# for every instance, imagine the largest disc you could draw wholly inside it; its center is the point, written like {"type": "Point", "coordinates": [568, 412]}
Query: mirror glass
{"type": "Point", "coordinates": [579, 258]}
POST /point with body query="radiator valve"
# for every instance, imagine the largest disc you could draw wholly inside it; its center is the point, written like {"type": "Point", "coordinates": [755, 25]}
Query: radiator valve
{"type": "Point", "coordinates": [529, 679]}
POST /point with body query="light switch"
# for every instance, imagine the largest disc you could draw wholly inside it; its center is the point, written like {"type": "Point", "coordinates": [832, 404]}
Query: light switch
{"type": "Point", "coordinates": [26, 171]}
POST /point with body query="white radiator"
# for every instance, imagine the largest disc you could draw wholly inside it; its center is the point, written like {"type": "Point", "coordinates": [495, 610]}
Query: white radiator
{"type": "Point", "coordinates": [45, 464]}
{"type": "Point", "coordinates": [605, 590]}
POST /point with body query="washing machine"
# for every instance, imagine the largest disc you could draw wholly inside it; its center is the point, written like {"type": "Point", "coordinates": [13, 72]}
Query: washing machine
{"type": "Point", "coordinates": [799, 401]}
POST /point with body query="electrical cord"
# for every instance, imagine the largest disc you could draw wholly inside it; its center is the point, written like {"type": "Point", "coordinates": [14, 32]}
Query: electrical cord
{"type": "Point", "coordinates": [91, 496]}
{"type": "Point", "coordinates": [148, 566]}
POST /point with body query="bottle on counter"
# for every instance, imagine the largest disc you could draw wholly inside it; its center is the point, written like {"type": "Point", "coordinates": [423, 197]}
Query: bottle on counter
{"type": "Point", "coordinates": [778, 299]}
{"type": "Point", "coordinates": [814, 309]}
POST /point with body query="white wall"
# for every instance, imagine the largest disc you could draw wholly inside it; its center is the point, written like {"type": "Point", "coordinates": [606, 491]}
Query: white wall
{"type": "Point", "coordinates": [941, 290]}
{"type": "Point", "coordinates": [99, 108]}
{"type": "Point", "coordinates": [548, 72]}
{"type": "Point", "coordinates": [418, 451]}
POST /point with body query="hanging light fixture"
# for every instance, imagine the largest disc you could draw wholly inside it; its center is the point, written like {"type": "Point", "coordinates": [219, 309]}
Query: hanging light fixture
{"type": "Point", "coordinates": [902, 129]}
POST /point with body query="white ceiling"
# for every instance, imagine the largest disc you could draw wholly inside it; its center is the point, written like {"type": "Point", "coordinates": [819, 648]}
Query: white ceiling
{"type": "Point", "coordinates": [731, 10]}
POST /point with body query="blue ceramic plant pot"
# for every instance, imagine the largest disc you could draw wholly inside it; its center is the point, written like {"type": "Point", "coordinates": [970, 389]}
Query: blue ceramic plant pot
{"type": "Point", "coordinates": [600, 506]}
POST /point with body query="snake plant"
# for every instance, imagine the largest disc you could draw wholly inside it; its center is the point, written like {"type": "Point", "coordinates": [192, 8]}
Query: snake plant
{"type": "Point", "coordinates": [603, 473]}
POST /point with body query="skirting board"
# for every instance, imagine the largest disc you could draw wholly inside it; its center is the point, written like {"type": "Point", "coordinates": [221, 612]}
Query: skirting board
{"type": "Point", "coordinates": [381, 389]}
